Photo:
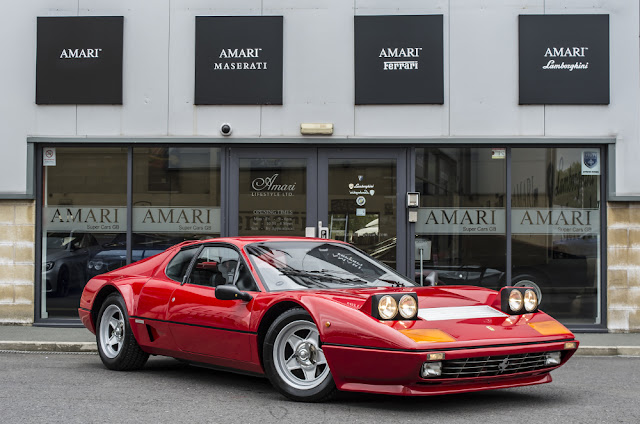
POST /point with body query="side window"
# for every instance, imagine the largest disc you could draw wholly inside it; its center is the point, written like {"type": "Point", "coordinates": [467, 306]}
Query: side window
{"type": "Point", "coordinates": [178, 266]}
{"type": "Point", "coordinates": [215, 266]}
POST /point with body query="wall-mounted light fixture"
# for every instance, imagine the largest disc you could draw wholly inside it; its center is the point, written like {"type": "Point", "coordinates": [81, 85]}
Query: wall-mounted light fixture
{"type": "Point", "coordinates": [316, 129]}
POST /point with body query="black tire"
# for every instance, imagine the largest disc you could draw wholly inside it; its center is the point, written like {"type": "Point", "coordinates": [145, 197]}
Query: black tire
{"type": "Point", "coordinates": [117, 346]}
{"type": "Point", "coordinates": [312, 380]}
{"type": "Point", "coordinates": [63, 283]}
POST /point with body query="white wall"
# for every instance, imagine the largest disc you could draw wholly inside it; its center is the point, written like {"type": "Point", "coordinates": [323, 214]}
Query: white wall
{"type": "Point", "coordinates": [480, 64]}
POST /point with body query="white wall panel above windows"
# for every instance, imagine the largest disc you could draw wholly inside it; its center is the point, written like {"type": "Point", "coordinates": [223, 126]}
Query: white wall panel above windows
{"type": "Point", "coordinates": [484, 70]}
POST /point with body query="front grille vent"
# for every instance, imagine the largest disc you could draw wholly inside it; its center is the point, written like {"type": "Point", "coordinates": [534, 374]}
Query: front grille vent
{"type": "Point", "coordinates": [484, 366]}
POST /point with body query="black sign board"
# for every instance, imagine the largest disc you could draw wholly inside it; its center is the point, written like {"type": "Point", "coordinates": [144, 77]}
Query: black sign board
{"type": "Point", "coordinates": [238, 60]}
{"type": "Point", "coordinates": [564, 59]}
{"type": "Point", "coordinates": [398, 60]}
{"type": "Point", "coordinates": [79, 60]}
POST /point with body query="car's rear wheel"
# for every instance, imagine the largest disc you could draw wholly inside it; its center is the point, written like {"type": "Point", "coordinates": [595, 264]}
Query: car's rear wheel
{"type": "Point", "coordinates": [117, 346]}
{"type": "Point", "coordinates": [293, 358]}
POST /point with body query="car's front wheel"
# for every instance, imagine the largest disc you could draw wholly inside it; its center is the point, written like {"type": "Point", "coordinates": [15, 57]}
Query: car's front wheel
{"type": "Point", "coordinates": [293, 359]}
{"type": "Point", "coordinates": [117, 346]}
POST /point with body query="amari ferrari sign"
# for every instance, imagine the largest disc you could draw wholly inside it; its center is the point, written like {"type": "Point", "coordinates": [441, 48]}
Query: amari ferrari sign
{"type": "Point", "coordinates": [238, 60]}
{"type": "Point", "coordinates": [564, 59]}
{"type": "Point", "coordinates": [398, 60]}
{"type": "Point", "coordinates": [79, 60]}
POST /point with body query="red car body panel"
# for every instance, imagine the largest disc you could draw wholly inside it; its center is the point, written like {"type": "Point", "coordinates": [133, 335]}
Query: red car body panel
{"type": "Point", "coordinates": [364, 354]}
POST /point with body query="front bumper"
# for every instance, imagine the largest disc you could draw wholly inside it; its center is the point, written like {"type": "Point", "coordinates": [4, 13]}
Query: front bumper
{"type": "Point", "coordinates": [397, 372]}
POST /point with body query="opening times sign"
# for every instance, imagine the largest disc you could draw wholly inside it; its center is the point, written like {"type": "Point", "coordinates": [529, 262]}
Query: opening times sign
{"type": "Point", "coordinates": [488, 221]}
{"type": "Point", "coordinates": [106, 219]}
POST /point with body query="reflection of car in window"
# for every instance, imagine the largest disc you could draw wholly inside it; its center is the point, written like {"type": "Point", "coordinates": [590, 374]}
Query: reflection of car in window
{"type": "Point", "coordinates": [564, 279]}
{"type": "Point", "coordinates": [113, 255]}
{"type": "Point", "coordinates": [66, 261]}
{"type": "Point", "coordinates": [585, 246]}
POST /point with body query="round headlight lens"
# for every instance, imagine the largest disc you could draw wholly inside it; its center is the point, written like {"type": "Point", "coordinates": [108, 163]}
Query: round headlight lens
{"type": "Point", "coordinates": [530, 300]}
{"type": "Point", "coordinates": [387, 307]}
{"type": "Point", "coordinates": [408, 307]}
{"type": "Point", "coordinates": [515, 300]}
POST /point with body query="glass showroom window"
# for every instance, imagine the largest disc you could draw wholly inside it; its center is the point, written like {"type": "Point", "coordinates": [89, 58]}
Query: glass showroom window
{"type": "Point", "coordinates": [460, 232]}
{"type": "Point", "coordinates": [556, 228]}
{"type": "Point", "coordinates": [84, 214]}
{"type": "Point", "coordinates": [176, 197]}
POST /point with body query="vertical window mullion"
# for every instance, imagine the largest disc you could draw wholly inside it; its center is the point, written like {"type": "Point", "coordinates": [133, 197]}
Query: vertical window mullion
{"type": "Point", "coordinates": [508, 218]}
{"type": "Point", "coordinates": [129, 237]}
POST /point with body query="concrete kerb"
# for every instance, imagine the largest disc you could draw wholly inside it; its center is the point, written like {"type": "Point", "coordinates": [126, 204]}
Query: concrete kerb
{"type": "Point", "coordinates": [608, 351]}
{"type": "Point", "coordinates": [34, 346]}
{"type": "Point", "coordinates": [91, 347]}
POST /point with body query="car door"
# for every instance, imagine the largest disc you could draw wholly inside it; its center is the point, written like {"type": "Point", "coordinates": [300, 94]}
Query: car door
{"type": "Point", "coordinates": [202, 324]}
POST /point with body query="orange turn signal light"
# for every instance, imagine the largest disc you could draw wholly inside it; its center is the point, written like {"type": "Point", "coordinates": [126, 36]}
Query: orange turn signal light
{"type": "Point", "coordinates": [549, 328]}
{"type": "Point", "coordinates": [427, 335]}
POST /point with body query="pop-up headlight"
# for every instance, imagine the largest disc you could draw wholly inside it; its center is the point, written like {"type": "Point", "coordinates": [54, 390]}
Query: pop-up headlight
{"type": "Point", "coordinates": [395, 306]}
{"type": "Point", "coordinates": [518, 300]}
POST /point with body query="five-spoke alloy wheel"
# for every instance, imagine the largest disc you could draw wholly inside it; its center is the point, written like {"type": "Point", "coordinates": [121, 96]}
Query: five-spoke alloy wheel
{"type": "Point", "coordinates": [117, 346]}
{"type": "Point", "coordinates": [293, 358]}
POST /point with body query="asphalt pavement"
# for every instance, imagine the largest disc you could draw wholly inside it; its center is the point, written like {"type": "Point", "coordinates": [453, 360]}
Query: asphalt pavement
{"type": "Point", "coordinates": [64, 339]}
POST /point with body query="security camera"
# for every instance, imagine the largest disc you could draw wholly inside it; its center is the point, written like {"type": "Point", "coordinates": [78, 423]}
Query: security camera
{"type": "Point", "coordinates": [225, 129]}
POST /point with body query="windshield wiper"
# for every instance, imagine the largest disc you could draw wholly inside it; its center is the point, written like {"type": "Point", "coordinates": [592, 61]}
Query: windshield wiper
{"type": "Point", "coordinates": [301, 276]}
{"type": "Point", "coordinates": [394, 283]}
{"type": "Point", "coordinates": [356, 281]}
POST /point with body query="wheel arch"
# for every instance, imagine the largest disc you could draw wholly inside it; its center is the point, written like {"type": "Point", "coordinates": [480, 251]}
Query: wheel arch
{"type": "Point", "coordinates": [124, 291]}
{"type": "Point", "coordinates": [269, 317]}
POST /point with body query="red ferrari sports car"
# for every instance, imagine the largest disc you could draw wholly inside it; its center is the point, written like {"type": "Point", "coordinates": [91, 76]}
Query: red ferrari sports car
{"type": "Point", "coordinates": [316, 316]}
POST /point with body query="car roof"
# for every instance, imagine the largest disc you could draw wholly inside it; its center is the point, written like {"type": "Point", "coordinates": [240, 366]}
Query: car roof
{"type": "Point", "coordinates": [242, 241]}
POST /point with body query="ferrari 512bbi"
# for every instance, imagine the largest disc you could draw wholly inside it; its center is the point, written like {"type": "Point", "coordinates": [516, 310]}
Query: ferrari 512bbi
{"type": "Point", "coordinates": [316, 316]}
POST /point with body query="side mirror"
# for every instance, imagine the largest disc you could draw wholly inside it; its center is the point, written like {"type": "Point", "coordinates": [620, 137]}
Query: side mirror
{"type": "Point", "coordinates": [432, 279]}
{"type": "Point", "coordinates": [230, 292]}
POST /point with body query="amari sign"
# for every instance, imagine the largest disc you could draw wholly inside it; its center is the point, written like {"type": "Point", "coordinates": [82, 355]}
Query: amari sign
{"type": "Point", "coordinates": [146, 219]}
{"type": "Point", "coordinates": [398, 60]}
{"type": "Point", "coordinates": [488, 221]}
{"type": "Point", "coordinates": [79, 60]}
{"type": "Point", "coordinates": [238, 60]}
{"type": "Point", "coordinates": [564, 59]}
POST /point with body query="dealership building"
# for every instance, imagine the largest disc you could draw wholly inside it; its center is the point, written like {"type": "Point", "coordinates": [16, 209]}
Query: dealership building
{"type": "Point", "coordinates": [460, 142]}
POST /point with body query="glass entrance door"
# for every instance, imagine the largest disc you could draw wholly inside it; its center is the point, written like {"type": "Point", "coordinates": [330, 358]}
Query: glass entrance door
{"type": "Point", "coordinates": [356, 195]}
{"type": "Point", "coordinates": [275, 192]}
{"type": "Point", "coordinates": [361, 199]}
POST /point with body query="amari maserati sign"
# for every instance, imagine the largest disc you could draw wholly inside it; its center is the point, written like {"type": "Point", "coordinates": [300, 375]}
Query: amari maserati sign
{"type": "Point", "coordinates": [79, 60]}
{"type": "Point", "coordinates": [238, 60]}
{"type": "Point", "coordinates": [564, 59]}
{"type": "Point", "coordinates": [398, 60]}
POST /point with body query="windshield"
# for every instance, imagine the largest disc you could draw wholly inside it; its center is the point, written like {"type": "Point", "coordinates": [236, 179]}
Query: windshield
{"type": "Point", "coordinates": [300, 265]}
{"type": "Point", "coordinates": [60, 241]}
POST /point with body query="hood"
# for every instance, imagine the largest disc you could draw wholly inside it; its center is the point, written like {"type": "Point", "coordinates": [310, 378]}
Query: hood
{"type": "Point", "coordinates": [428, 297]}
{"type": "Point", "coordinates": [469, 315]}
{"type": "Point", "coordinates": [57, 254]}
